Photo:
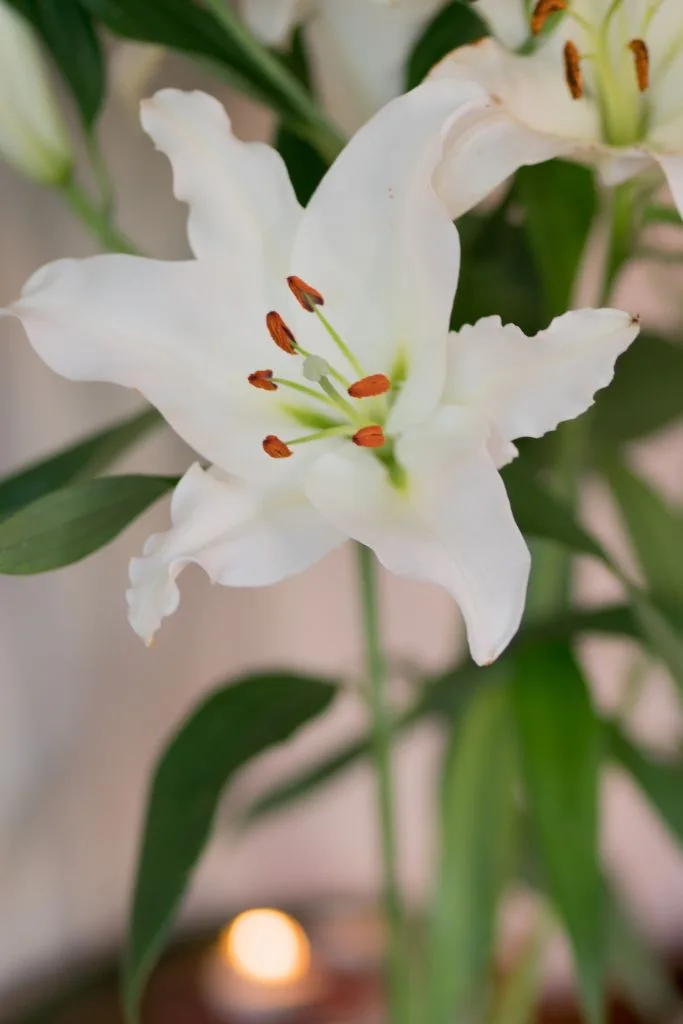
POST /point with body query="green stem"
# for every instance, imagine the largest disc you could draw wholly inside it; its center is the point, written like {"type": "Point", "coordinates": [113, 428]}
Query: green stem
{"type": "Point", "coordinates": [96, 219]}
{"type": "Point", "coordinates": [397, 967]}
{"type": "Point", "coordinates": [314, 125]}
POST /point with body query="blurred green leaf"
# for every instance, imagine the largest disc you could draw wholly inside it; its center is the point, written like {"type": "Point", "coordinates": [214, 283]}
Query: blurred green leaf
{"type": "Point", "coordinates": [85, 458]}
{"type": "Point", "coordinates": [560, 203]}
{"type": "Point", "coordinates": [498, 276]}
{"type": "Point", "coordinates": [69, 34]}
{"type": "Point", "coordinates": [476, 853]}
{"type": "Point", "coordinates": [66, 525]}
{"type": "Point", "coordinates": [662, 629]}
{"type": "Point", "coordinates": [657, 213]}
{"type": "Point", "coordinates": [561, 742]}
{"type": "Point", "coordinates": [453, 26]}
{"type": "Point", "coordinates": [215, 32]}
{"type": "Point", "coordinates": [654, 526]}
{"type": "Point", "coordinates": [661, 781]}
{"type": "Point", "coordinates": [540, 514]}
{"type": "Point", "coordinates": [305, 165]}
{"type": "Point", "coordinates": [646, 394]}
{"type": "Point", "coordinates": [230, 727]}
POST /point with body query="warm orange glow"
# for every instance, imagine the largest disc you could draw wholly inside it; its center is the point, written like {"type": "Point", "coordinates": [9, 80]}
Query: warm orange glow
{"type": "Point", "coordinates": [266, 946]}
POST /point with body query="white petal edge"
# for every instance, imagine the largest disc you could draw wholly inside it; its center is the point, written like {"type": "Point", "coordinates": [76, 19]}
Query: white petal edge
{"type": "Point", "coordinates": [242, 204]}
{"type": "Point", "coordinates": [453, 526]}
{"type": "Point", "coordinates": [239, 535]}
{"type": "Point", "coordinates": [526, 386]}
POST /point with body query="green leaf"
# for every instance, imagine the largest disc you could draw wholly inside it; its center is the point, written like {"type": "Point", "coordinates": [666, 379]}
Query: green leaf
{"type": "Point", "coordinates": [654, 527]}
{"type": "Point", "coordinates": [561, 742]}
{"type": "Point", "coordinates": [476, 853]}
{"type": "Point", "coordinates": [646, 394]}
{"type": "Point", "coordinates": [66, 525]}
{"type": "Point", "coordinates": [85, 458]}
{"type": "Point", "coordinates": [560, 202]}
{"type": "Point", "coordinates": [540, 514]}
{"type": "Point", "coordinates": [455, 25]}
{"type": "Point", "coordinates": [69, 34]}
{"type": "Point", "coordinates": [661, 781]}
{"type": "Point", "coordinates": [216, 33]}
{"type": "Point", "coordinates": [662, 630]}
{"type": "Point", "coordinates": [233, 725]}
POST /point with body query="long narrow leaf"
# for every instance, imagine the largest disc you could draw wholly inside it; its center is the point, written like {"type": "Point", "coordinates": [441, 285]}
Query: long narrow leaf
{"type": "Point", "coordinates": [661, 781]}
{"type": "Point", "coordinates": [229, 728]}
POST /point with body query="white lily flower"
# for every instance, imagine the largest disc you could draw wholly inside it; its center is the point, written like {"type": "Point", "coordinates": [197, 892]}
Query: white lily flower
{"type": "Point", "coordinates": [604, 84]}
{"type": "Point", "coordinates": [358, 418]}
{"type": "Point", "coordinates": [358, 48]}
{"type": "Point", "coordinates": [33, 137]}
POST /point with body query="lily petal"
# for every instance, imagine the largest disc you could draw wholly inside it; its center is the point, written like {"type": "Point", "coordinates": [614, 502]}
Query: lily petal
{"type": "Point", "coordinates": [452, 525]}
{"type": "Point", "coordinates": [242, 205]}
{"type": "Point", "coordinates": [239, 535]}
{"type": "Point", "coordinates": [381, 248]}
{"type": "Point", "coordinates": [507, 19]}
{"type": "Point", "coordinates": [672, 165]}
{"type": "Point", "coordinates": [526, 386]}
{"type": "Point", "coordinates": [180, 333]}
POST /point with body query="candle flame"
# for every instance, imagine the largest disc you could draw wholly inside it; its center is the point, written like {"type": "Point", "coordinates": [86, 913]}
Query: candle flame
{"type": "Point", "coordinates": [266, 946]}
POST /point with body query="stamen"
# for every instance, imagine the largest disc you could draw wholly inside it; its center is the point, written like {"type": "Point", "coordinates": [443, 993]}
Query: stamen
{"type": "Point", "coordinates": [572, 69]}
{"type": "Point", "coordinates": [305, 294]}
{"type": "Point", "coordinates": [340, 343]}
{"type": "Point", "coordinates": [262, 379]}
{"type": "Point", "coordinates": [369, 387]}
{"type": "Point", "coordinates": [369, 437]}
{"type": "Point", "coordinates": [276, 448]}
{"type": "Point", "coordinates": [641, 57]}
{"type": "Point", "coordinates": [543, 10]}
{"type": "Point", "coordinates": [280, 333]}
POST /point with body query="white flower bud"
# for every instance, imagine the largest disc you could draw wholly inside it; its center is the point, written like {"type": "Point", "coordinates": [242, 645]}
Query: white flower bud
{"type": "Point", "coordinates": [33, 137]}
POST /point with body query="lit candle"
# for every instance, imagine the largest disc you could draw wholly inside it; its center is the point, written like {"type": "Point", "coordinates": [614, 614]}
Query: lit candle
{"type": "Point", "coordinates": [261, 969]}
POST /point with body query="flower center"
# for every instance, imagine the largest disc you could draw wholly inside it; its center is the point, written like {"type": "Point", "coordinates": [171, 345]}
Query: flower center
{"type": "Point", "coordinates": [618, 56]}
{"type": "Point", "coordinates": [327, 407]}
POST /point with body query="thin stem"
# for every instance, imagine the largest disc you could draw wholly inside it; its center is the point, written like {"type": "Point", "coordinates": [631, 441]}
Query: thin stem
{"type": "Point", "coordinates": [95, 219]}
{"type": "Point", "coordinates": [397, 976]}
{"type": "Point", "coordinates": [315, 125]}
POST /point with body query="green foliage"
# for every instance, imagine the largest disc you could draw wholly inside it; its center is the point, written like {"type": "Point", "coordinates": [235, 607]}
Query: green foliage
{"type": "Point", "coordinates": [453, 26]}
{"type": "Point", "coordinates": [561, 741]}
{"type": "Point", "coordinates": [230, 727]}
{"type": "Point", "coordinates": [67, 524]}
{"type": "Point", "coordinates": [560, 203]}
{"type": "Point", "coordinates": [661, 781]}
{"type": "Point", "coordinates": [476, 853]}
{"type": "Point", "coordinates": [83, 459]}
{"type": "Point", "coordinates": [70, 35]}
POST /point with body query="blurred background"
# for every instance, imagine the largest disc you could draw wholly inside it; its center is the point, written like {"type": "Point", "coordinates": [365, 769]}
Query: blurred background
{"type": "Point", "coordinates": [85, 707]}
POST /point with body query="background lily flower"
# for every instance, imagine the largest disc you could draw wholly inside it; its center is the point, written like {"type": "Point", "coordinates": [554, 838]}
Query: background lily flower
{"type": "Point", "coordinates": [601, 80]}
{"type": "Point", "coordinates": [358, 48]}
{"type": "Point", "coordinates": [33, 137]}
{"type": "Point", "coordinates": [307, 355]}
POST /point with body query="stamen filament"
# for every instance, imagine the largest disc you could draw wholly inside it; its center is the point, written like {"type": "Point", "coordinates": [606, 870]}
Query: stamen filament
{"type": "Point", "coordinates": [327, 432]}
{"type": "Point", "coordinates": [310, 392]}
{"type": "Point", "coordinates": [334, 396]}
{"type": "Point", "coordinates": [340, 379]}
{"type": "Point", "coordinates": [649, 15]}
{"type": "Point", "coordinates": [341, 345]}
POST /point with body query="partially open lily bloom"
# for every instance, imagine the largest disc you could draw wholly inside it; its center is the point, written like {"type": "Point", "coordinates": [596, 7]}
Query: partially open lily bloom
{"type": "Point", "coordinates": [598, 79]}
{"type": "Point", "coordinates": [307, 355]}
{"type": "Point", "coordinates": [358, 48]}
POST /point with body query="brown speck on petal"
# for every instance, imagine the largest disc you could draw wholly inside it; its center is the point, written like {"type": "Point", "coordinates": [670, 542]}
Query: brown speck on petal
{"type": "Point", "coordinates": [543, 10]}
{"type": "Point", "coordinates": [572, 69]}
{"type": "Point", "coordinates": [276, 448]}
{"type": "Point", "coordinates": [369, 387]}
{"type": "Point", "coordinates": [305, 294]}
{"type": "Point", "coordinates": [369, 437]}
{"type": "Point", "coordinates": [262, 379]}
{"type": "Point", "coordinates": [280, 333]}
{"type": "Point", "coordinates": [641, 57]}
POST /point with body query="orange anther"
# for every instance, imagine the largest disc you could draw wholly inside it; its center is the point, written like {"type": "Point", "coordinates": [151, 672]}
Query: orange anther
{"type": "Point", "coordinates": [572, 70]}
{"type": "Point", "coordinates": [276, 448]}
{"type": "Point", "coordinates": [641, 57]}
{"type": "Point", "coordinates": [369, 437]}
{"type": "Point", "coordinates": [368, 387]}
{"type": "Point", "coordinates": [305, 294]}
{"type": "Point", "coordinates": [262, 379]}
{"type": "Point", "coordinates": [543, 10]}
{"type": "Point", "coordinates": [280, 333]}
